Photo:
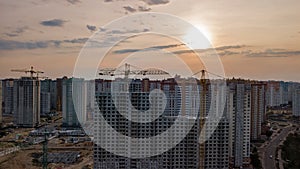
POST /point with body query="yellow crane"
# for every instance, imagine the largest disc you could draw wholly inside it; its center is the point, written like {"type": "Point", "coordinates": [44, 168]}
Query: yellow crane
{"type": "Point", "coordinates": [37, 77]}
{"type": "Point", "coordinates": [204, 82]}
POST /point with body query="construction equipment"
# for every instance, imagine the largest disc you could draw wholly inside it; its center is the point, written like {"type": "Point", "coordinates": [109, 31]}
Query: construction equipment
{"type": "Point", "coordinates": [204, 82]}
{"type": "Point", "coordinates": [45, 150]}
{"type": "Point", "coordinates": [31, 71]}
{"type": "Point", "coordinates": [46, 134]}
{"type": "Point", "coordinates": [205, 72]}
{"type": "Point", "coordinates": [127, 71]}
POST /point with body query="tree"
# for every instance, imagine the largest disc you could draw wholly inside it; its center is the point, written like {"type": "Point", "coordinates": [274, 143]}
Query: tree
{"type": "Point", "coordinates": [255, 159]}
{"type": "Point", "coordinates": [269, 133]}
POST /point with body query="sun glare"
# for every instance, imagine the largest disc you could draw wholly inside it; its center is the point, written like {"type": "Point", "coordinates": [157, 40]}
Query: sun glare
{"type": "Point", "coordinates": [205, 32]}
{"type": "Point", "coordinates": [192, 37]}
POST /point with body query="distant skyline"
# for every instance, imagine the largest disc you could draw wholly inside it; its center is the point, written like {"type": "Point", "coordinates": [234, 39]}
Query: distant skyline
{"type": "Point", "coordinates": [255, 39]}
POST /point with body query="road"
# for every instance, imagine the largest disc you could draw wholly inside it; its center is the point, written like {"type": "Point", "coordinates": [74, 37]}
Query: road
{"type": "Point", "coordinates": [270, 149]}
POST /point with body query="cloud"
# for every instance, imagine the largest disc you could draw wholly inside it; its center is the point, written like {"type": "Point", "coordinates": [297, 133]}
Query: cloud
{"type": "Point", "coordinates": [223, 49]}
{"type": "Point", "coordinates": [102, 29]}
{"type": "Point", "coordinates": [156, 2]}
{"type": "Point", "coordinates": [15, 45]}
{"type": "Point", "coordinates": [240, 50]}
{"type": "Point", "coordinates": [74, 1]}
{"type": "Point", "coordinates": [230, 47]}
{"type": "Point", "coordinates": [122, 32]}
{"type": "Point", "coordinates": [166, 46]}
{"type": "Point", "coordinates": [123, 51]}
{"type": "Point", "coordinates": [129, 8]}
{"type": "Point", "coordinates": [112, 36]}
{"type": "Point", "coordinates": [217, 49]}
{"type": "Point", "coordinates": [21, 29]}
{"type": "Point", "coordinates": [92, 28]}
{"type": "Point", "coordinates": [78, 40]}
{"type": "Point", "coordinates": [139, 8]}
{"type": "Point", "coordinates": [273, 53]}
{"type": "Point", "coordinates": [143, 9]}
{"type": "Point", "coordinates": [146, 30]}
{"type": "Point", "coordinates": [53, 22]}
{"type": "Point", "coordinates": [17, 31]}
{"type": "Point", "coordinates": [11, 45]}
{"type": "Point", "coordinates": [11, 34]}
{"type": "Point", "coordinates": [227, 53]}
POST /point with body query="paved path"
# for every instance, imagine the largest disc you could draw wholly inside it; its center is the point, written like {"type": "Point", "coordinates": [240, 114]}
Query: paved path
{"type": "Point", "coordinates": [280, 160]}
{"type": "Point", "coordinates": [269, 151]}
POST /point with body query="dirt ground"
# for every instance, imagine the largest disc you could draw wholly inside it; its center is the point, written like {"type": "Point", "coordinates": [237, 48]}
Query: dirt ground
{"type": "Point", "coordinates": [18, 160]}
{"type": "Point", "coordinates": [23, 160]}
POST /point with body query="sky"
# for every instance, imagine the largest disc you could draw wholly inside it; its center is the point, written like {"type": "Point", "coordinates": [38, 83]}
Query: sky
{"type": "Point", "coordinates": [257, 39]}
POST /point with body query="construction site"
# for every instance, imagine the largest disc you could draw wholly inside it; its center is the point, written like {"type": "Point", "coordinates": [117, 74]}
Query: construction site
{"type": "Point", "coordinates": [33, 139]}
{"type": "Point", "coordinates": [47, 142]}
{"type": "Point", "coordinates": [18, 150]}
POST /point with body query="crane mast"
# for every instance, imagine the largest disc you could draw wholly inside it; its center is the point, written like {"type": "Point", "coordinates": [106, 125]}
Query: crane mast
{"type": "Point", "coordinates": [204, 82]}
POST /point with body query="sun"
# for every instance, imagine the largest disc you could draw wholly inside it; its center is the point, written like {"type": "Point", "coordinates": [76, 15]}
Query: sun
{"type": "Point", "coordinates": [205, 31]}
{"type": "Point", "coordinates": [198, 37]}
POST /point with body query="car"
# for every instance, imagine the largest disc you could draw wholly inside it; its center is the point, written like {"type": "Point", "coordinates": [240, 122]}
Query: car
{"type": "Point", "coordinates": [271, 156]}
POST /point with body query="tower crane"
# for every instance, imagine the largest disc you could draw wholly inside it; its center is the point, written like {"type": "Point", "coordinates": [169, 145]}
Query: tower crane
{"type": "Point", "coordinates": [205, 72]}
{"type": "Point", "coordinates": [31, 71]}
{"type": "Point", "coordinates": [45, 150]}
{"type": "Point", "coordinates": [128, 71]}
{"type": "Point", "coordinates": [46, 134]}
{"type": "Point", "coordinates": [204, 83]}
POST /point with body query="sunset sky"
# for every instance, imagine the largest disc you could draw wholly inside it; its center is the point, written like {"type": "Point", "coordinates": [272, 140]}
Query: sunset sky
{"type": "Point", "coordinates": [257, 39]}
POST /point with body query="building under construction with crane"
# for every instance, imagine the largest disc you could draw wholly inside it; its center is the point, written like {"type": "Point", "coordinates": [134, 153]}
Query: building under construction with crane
{"type": "Point", "coordinates": [26, 93]}
{"type": "Point", "coordinates": [183, 97]}
{"type": "Point", "coordinates": [184, 155]}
